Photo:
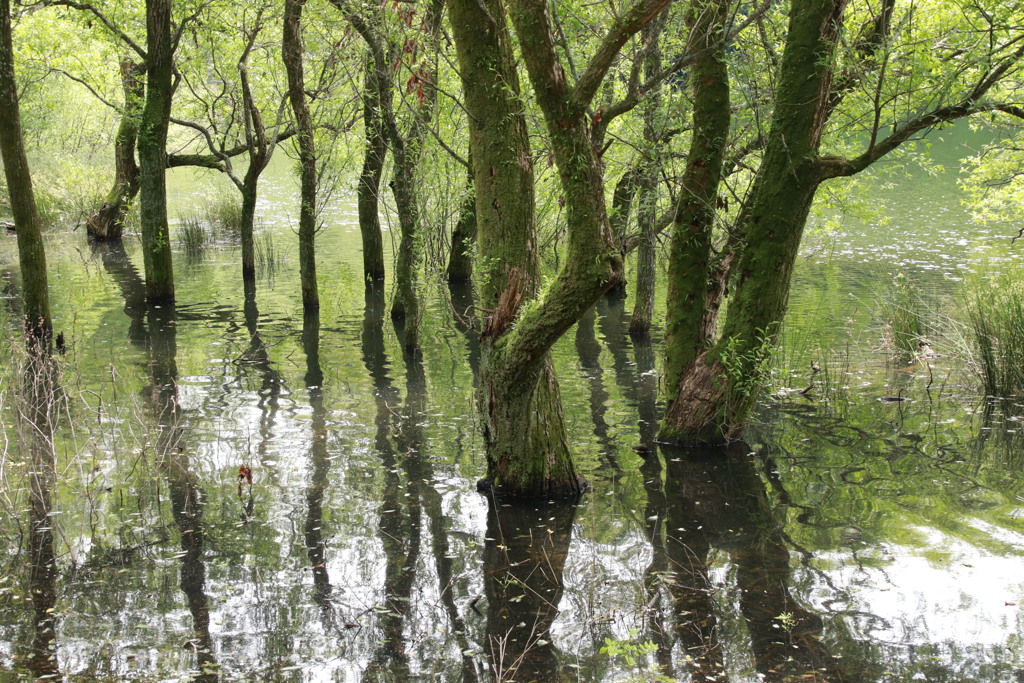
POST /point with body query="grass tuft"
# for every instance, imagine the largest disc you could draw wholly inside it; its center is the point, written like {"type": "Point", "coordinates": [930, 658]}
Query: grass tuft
{"type": "Point", "coordinates": [994, 313]}
{"type": "Point", "coordinates": [901, 313]}
{"type": "Point", "coordinates": [224, 213]}
{"type": "Point", "coordinates": [193, 238]}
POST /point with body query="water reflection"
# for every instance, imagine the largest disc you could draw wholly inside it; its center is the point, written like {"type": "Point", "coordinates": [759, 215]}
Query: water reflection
{"type": "Point", "coordinates": [524, 558]}
{"type": "Point", "coordinates": [718, 501]}
{"type": "Point", "coordinates": [409, 491]}
{"type": "Point", "coordinates": [133, 290]}
{"type": "Point", "coordinates": [187, 499]}
{"type": "Point", "coordinates": [40, 398]}
{"type": "Point", "coordinates": [320, 467]}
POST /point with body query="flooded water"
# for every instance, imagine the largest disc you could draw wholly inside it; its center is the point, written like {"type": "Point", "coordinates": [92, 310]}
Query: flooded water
{"type": "Point", "coordinates": [233, 491]}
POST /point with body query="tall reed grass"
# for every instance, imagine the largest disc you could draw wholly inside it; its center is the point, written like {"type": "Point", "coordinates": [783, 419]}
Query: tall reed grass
{"type": "Point", "coordinates": [993, 309]}
{"type": "Point", "coordinates": [901, 312]}
{"type": "Point", "coordinates": [193, 238]}
{"type": "Point", "coordinates": [224, 213]}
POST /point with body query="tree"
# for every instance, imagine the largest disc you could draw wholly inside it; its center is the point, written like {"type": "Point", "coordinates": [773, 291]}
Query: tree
{"type": "Point", "coordinates": [384, 55]}
{"type": "Point", "coordinates": [156, 116]}
{"type": "Point", "coordinates": [716, 383]}
{"type": "Point", "coordinates": [291, 49]}
{"type": "Point", "coordinates": [107, 223]}
{"type": "Point", "coordinates": [31, 253]}
{"type": "Point", "coordinates": [524, 430]}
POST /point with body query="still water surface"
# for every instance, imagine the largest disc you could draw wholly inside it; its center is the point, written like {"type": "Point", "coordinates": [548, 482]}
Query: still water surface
{"type": "Point", "coordinates": [851, 536]}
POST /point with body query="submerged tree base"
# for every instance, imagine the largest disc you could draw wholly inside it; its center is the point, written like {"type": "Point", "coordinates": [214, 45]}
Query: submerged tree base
{"type": "Point", "coordinates": [528, 454]}
{"type": "Point", "coordinates": [695, 417]}
{"type": "Point", "coordinates": [570, 491]}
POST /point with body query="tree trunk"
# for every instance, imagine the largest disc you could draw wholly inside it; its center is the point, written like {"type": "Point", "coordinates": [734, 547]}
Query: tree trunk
{"type": "Point", "coordinates": [692, 230]}
{"type": "Point", "coordinates": [291, 47]}
{"type": "Point", "coordinates": [405, 307]}
{"type": "Point", "coordinates": [647, 190]}
{"type": "Point", "coordinates": [260, 151]}
{"type": "Point", "coordinates": [107, 223]}
{"type": "Point", "coordinates": [248, 222]}
{"type": "Point", "coordinates": [524, 430]}
{"type": "Point", "coordinates": [156, 114]}
{"type": "Point", "coordinates": [460, 260]}
{"type": "Point", "coordinates": [31, 253]}
{"type": "Point", "coordinates": [716, 388]}
{"type": "Point", "coordinates": [368, 190]}
{"type": "Point", "coordinates": [408, 155]}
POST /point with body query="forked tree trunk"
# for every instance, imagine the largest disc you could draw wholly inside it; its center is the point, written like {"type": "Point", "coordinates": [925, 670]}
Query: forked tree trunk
{"type": "Point", "coordinates": [291, 47]}
{"type": "Point", "coordinates": [524, 430]}
{"type": "Point", "coordinates": [716, 386]}
{"type": "Point", "coordinates": [31, 254]}
{"type": "Point", "coordinates": [156, 114]}
{"type": "Point", "coordinates": [107, 223]}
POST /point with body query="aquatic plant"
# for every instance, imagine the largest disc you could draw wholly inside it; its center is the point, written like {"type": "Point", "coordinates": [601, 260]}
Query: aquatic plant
{"type": "Point", "coordinates": [193, 237]}
{"type": "Point", "coordinates": [993, 310]}
{"type": "Point", "coordinates": [268, 255]}
{"type": "Point", "coordinates": [224, 213]}
{"type": "Point", "coordinates": [901, 313]}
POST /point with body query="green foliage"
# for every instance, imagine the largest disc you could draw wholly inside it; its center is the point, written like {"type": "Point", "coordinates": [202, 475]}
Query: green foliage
{"type": "Point", "coordinates": [994, 181]}
{"type": "Point", "coordinates": [748, 370]}
{"type": "Point", "coordinates": [993, 310]}
{"type": "Point", "coordinates": [629, 651]}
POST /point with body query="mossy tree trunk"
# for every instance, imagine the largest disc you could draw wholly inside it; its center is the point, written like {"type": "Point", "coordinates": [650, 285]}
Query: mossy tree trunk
{"type": "Point", "coordinates": [406, 146]}
{"type": "Point", "coordinates": [107, 223]}
{"type": "Point", "coordinates": [156, 243]}
{"type": "Point", "coordinates": [376, 86]}
{"type": "Point", "coordinates": [31, 254]}
{"type": "Point", "coordinates": [714, 386]}
{"type": "Point", "coordinates": [524, 428]}
{"type": "Point", "coordinates": [291, 48]}
{"type": "Point", "coordinates": [647, 190]}
{"type": "Point", "coordinates": [405, 306]}
{"type": "Point", "coordinates": [524, 432]}
{"type": "Point", "coordinates": [460, 260]}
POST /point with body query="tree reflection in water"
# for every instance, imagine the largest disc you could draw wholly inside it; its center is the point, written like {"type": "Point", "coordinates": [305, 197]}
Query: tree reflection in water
{"type": "Point", "coordinates": [717, 500]}
{"type": "Point", "coordinates": [524, 558]}
{"type": "Point", "coordinates": [182, 482]}
{"type": "Point", "coordinates": [40, 397]}
{"type": "Point", "coordinates": [320, 465]}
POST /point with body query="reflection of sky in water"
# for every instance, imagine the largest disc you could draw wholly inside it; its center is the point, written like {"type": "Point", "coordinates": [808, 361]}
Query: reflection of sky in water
{"type": "Point", "coordinates": [945, 591]}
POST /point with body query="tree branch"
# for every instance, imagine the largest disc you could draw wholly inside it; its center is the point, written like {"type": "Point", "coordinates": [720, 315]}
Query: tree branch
{"type": "Point", "coordinates": [622, 30]}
